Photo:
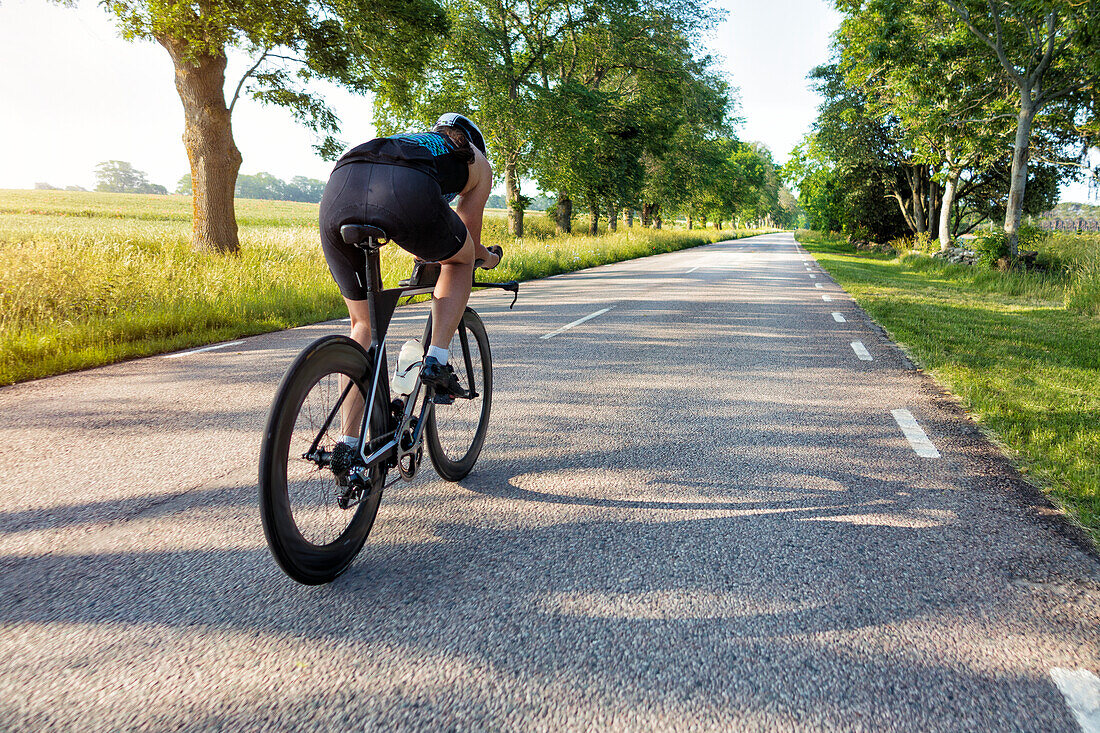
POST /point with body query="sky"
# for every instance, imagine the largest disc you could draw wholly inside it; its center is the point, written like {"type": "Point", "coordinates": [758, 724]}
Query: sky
{"type": "Point", "coordinates": [73, 93]}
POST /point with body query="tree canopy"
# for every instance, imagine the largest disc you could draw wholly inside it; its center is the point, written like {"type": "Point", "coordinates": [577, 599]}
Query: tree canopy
{"type": "Point", "coordinates": [118, 176]}
{"type": "Point", "coordinates": [363, 45]}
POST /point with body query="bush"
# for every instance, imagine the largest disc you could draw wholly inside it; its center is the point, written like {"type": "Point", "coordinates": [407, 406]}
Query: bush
{"type": "Point", "coordinates": [992, 246]}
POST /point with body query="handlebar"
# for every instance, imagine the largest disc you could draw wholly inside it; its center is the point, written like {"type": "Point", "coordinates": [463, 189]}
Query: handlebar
{"type": "Point", "coordinates": [511, 286]}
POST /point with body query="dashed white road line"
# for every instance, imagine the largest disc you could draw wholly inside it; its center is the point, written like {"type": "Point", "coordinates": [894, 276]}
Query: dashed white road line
{"type": "Point", "coordinates": [861, 351]}
{"type": "Point", "coordinates": [839, 318]}
{"type": "Point", "coordinates": [813, 275]}
{"type": "Point", "coordinates": [693, 269]}
{"type": "Point", "coordinates": [577, 322]}
{"type": "Point", "coordinates": [818, 285]}
{"type": "Point", "coordinates": [826, 298]}
{"type": "Point", "coordinates": [1081, 689]}
{"type": "Point", "coordinates": [205, 348]}
{"type": "Point", "coordinates": [915, 434]}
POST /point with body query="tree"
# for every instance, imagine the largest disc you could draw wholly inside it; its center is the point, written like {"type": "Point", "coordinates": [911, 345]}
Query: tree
{"type": "Point", "coordinates": [536, 72]}
{"type": "Point", "coordinates": [488, 69]}
{"type": "Point", "coordinates": [359, 44]}
{"type": "Point", "coordinates": [118, 176]}
{"type": "Point", "coordinates": [1049, 51]}
{"type": "Point", "coordinates": [917, 66]}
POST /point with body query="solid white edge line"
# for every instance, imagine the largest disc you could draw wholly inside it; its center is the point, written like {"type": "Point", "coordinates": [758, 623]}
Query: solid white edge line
{"type": "Point", "coordinates": [839, 317]}
{"type": "Point", "coordinates": [1081, 690]}
{"type": "Point", "coordinates": [199, 351]}
{"type": "Point", "coordinates": [915, 434]}
{"type": "Point", "coordinates": [577, 322]}
{"type": "Point", "coordinates": [861, 351]}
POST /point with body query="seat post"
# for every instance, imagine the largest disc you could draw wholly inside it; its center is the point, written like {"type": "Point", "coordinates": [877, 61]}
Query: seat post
{"type": "Point", "coordinates": [374, 269]}
{"type": "Point", "coordinates": [375, 297]}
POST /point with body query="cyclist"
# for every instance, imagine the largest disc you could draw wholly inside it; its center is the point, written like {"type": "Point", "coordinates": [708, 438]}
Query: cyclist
{"type": "Point", "coordinates": [404, 184]}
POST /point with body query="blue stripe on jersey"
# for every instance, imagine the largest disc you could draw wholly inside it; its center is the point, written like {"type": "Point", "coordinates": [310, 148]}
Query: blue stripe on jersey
{"type": "Point", "coordinates": [430, 140]}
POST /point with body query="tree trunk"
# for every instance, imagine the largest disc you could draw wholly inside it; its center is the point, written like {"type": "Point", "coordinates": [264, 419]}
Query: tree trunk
{"type": "Point", "coordinates": [208, 137]}
{"type": "Point", "coordinates": [564, 218]}
{"type": "Point", "coordinates": [690, 223]}
{"type": "Point", "coordinates": [655, 212]}
{"type": "Point", "coordinates": [593, 217]}
{"type": "Point", "coordinates": [630, 218]}
{"type": "Point", "coordinates": [613, 219]}
{"type": "Point", "coordinates": [647, 213]}
{"type": "Point", "coordinates": [916, 190]}
{"type": "Point", "coordinates": [946, 207]}
{"type": "Point", "coordinates": [933, 208]}
{"type": "Point", "coordinates": [511, 194]}
{"type": "Point", "coordinates": [1018, 180]}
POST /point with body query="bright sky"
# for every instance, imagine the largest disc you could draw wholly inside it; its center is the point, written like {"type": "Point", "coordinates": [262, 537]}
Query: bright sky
{"type": "Point", "coordinates": [73, 94]}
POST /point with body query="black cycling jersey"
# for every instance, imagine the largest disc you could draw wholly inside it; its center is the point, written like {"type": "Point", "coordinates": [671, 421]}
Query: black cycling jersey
{"type": "Point", "coordinates": [429, 152]}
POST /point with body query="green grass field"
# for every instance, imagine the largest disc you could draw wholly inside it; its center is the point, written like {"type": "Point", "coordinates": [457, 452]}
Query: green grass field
{"type": "Point", "coordinates": [1026, 366]}
{"type": "Point", "coordinates": [88, 279]}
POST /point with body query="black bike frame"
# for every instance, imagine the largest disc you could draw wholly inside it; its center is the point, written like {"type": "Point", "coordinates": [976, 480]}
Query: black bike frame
{"type": "Point", "coordinates": [381, 304]}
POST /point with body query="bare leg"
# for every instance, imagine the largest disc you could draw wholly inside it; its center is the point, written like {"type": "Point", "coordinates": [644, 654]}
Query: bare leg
{"type": "Point", "coordinates": [452, 290]}
{"type": "Point", "coordinates": [351, 412]}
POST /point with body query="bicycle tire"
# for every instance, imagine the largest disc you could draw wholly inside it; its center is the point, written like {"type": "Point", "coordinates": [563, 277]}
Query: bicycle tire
{"type": "Point", "coordinates": [456, 433]}
{"type": "Point", "coordinates": [292, 424]}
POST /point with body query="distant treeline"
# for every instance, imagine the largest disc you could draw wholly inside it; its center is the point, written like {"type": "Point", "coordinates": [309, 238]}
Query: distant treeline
{"type": "Point", "coordinates": [266, 186]}
{"type": "Point", "coordinates": [1071, 210]}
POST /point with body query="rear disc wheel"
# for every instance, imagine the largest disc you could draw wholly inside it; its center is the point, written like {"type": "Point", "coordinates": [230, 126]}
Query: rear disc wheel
{"type": "Point", "coordinates": [315, 520]}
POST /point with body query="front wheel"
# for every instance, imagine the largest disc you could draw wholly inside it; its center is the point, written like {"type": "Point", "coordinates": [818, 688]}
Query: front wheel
{"type": "Point", "coordinates": [316, 520]}
{"type": "Point", "coordinates": [455, 433]}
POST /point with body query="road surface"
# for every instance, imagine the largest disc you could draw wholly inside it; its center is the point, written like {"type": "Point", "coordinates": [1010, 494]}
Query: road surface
{"type": "Point", "coordinates": [725, 502]}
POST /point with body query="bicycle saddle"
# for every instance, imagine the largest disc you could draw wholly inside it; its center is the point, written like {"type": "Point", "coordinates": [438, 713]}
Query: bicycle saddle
{"type": "Point", "coordinates": [363, 235]}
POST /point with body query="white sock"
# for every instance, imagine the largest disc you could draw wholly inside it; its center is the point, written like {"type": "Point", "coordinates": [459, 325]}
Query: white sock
{"type": "Point", "coordinates": [440, 355]}
{"type": "Point", "coordinates": [351, 440]}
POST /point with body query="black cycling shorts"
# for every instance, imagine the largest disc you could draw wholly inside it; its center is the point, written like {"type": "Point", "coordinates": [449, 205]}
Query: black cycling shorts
{"type": "Point", "coordinates": [406, 204]}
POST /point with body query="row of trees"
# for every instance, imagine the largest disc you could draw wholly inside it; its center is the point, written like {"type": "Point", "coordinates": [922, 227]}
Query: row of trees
{"type": "Point", "coordinates": [610, 105]}
{"type": "Point", "coordinates": [942, 114]}
{"type": "Point", "coordinates": [264, 185]}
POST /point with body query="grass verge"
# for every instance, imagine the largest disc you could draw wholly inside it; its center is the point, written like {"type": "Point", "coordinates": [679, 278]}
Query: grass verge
{"type": "Point", "coordinates": [90, 279]}
{"type": "Point", "coordinates": [1026, 368]}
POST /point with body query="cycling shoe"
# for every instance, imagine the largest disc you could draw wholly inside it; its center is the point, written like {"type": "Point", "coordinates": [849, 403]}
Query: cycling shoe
{"type": "Point", "coordinates": [442, 378]}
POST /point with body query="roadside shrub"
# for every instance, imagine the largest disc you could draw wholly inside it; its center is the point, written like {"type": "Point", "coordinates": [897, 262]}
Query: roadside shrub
{"type": "Point", "coordinates": [992, 246]}
{"type": "Point", "coordinates": [924, 242]}
{"type": "Point", "coordinates": [858, 233]}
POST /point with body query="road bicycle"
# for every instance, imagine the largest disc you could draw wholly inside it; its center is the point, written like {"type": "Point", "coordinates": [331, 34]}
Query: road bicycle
{"type": "Point", "coordinates": [317, 512]}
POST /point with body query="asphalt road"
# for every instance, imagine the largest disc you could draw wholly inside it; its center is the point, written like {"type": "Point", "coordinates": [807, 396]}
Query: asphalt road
{"type": "Point", "coordinates": [697, 510]}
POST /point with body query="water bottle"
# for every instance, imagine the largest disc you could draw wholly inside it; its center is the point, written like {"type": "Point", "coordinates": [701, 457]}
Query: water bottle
{"type": "Point", "coordinates": [408, 368]}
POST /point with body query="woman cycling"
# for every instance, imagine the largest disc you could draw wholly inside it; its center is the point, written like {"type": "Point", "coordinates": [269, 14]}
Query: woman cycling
{"type": "Point", "coordinates": [403, 184]}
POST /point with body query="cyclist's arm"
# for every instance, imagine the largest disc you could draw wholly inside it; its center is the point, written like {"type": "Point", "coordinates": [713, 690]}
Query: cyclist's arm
{"type": "Point", "coordinates": [471, 203]}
